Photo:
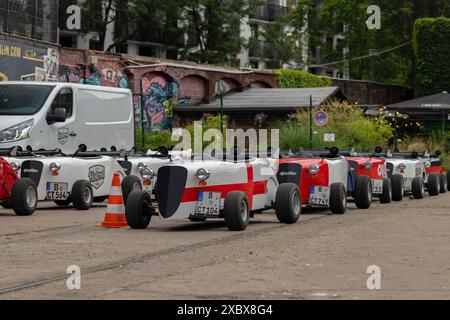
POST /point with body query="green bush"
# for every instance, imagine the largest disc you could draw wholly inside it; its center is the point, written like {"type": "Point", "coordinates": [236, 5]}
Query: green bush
{"type": "Point", "coordinates": [300, 79]}
{"type": "Point", "coordinates": [432, 50]}
{"type": "Point", "coordinates": [348, 123]}
{"type": "Point", "coordinates": [154, 140]}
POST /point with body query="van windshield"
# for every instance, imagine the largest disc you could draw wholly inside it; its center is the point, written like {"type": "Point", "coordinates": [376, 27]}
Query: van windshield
{"type": "Point", "coordinates": [22, 100]}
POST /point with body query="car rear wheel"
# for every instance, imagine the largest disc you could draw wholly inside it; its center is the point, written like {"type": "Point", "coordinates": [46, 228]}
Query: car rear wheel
{"type": "Point", "coordinates": [386, 196]}
{"type": "Point", "coordinates": [63, 203]}
{"type": "Point", "coordinates": [82, 195]}
{"type": "Point", "coordinates": [434, 184]}
{"type": "Point", "coordinates": [363, 192]}
{"type": "Point", "coordinates": [138, 210]}
{"type": "Point", "coordinates": [418, 188]}
{"type": "Point", "coordinates": [236, 211]}
{"type": "Point", "coordinates": [130, 184]}
{"type": "Point", "coordinates": [398, 187]}
{"type": "Point", "coordinates": [288, 203]}
{"type": "Point", "coordinates": [338, 198]}
{"type": "Point", "coordinates": [443, 183]}
{"type": "Point", "coordinates": [24, 197]}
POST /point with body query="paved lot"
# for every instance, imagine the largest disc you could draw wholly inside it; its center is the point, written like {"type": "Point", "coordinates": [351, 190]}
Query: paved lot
{"type": "Point", "coordinates": [322, 257]}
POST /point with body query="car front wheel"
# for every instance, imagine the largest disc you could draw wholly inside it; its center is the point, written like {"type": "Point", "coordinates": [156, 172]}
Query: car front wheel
{"type": "Point", "coordinates": [236, 211]}
{"type": "Point", "coordinates": [418, 188]}
{"type": "Point", "coordinates": [24, 197]}
{"type": "Point", "coordinates": [434, 184]}
{"type": "Point", "coordinates": [338, 198]}
{"type": "Point", "coordinates": [288, 203]}
{"type": "Point", "coordinates": [138, 210]}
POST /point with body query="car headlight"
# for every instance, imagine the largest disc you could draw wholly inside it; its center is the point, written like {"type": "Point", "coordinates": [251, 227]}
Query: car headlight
{"type": "Point", "coordinates": [55, 167]}
{"type": "Point", "coordinates": [314, 169]}
{"type": "Point", "coordinates": [402, 166]}
{"type": "Point", "coordinates": [203, 174]}
{"type": "Point", "coordinates": [17, 132]}
{"type": "Point", "coordinates": [368, 165]}
{"type": "Point", "coordinates": [147, 174]}
{"type": "Point", "coordinates": [15, 166]}
{"type": "Point", "coordinates": [141, 165]}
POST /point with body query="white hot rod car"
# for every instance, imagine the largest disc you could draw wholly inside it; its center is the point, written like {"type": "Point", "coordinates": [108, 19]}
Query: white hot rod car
{"type": "Point", "coordinates": [81, 179]}
{"type": "Point", "coordinates": [209, 189]}
{"type": "Point", "coordinates": [413, 169]}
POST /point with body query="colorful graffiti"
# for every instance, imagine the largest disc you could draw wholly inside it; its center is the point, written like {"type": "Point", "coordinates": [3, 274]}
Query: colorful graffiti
{"type": "Point", "coordinates": [160, 95]}
{"type": "Point", "coordinates": [106, 76]}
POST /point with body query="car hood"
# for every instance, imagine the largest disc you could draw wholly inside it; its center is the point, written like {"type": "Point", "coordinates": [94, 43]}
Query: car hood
{"type": "Point", "coordinates": [11, 121]}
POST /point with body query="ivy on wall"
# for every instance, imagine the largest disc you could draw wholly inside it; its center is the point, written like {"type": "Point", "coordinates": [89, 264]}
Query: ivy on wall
{"type": "Point", "coordinates": [300, 79]}
{"type": "Point", "coordinates": [432, 50]}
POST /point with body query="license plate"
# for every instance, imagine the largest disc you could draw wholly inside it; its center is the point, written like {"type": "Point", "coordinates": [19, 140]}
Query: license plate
{"type": "Point", "coordinates": [377, 186]}
{"type": "Point", "coordinates": [320, 196]}
{"type": "Point", "coordinates": [208, 203]}
{"type": "Point", "coordinates": [408, 184]}
{"type": "Point", "coordinates": [57, 191]}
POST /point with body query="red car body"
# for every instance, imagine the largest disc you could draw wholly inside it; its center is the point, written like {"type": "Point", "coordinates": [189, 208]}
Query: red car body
{"type": "Point", "coordinates": [7, 179]}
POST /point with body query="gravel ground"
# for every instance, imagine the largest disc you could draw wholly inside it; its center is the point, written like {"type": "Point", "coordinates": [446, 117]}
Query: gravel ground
{"type": "Point", "coordinates": [322, 257]}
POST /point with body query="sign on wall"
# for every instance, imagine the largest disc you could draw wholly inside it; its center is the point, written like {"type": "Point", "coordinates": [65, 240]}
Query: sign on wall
{"type": "Point", "coordinates": [20, 61]}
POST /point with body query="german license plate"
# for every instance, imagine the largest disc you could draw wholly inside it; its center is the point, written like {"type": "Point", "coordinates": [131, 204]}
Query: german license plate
{"type": "Point", "coordinates": [57, 191]}
{"type": "Point", "coordinates": [377, 186]}
{"type": "Point", "coordinates": [408, 184]}
{"type": "Point", "coordinates": [320, 196]}
{"type": "Point", "coordinates": [208, 203]}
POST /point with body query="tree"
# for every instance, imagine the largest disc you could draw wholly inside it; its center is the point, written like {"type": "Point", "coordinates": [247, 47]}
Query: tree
{"type": "Point", "coordinates": [213, 29]}
{"type": "Point", "coordinates": [325, 18]}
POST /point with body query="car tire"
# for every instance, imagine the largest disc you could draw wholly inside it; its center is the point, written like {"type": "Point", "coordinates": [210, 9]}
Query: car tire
{"type": "Point", "coordinates": [363, 192]}
{"type": "Point", "coordinates": [288, 203]}
{"type": "Point", "coordinates": [398, 187]}
{"type": "Point", "coordinates": [236, 211]}
{"type": "Point", "coordinates": [130, 184]}
{"type": "Point", "coordinates": [338, 198]}
{"type": "Point", "coordinates": [82, 195]}
{"type": "Point", "coordinates": [63, 203]}
{"type": "Point", "coordinates": [386, 196]}
{"type": "Point", "coordinates": [443, 183]}
{"type": "Point", "coordinates": [138, 210]}
{"type": "Point", "coordinates": [24, 197]}
{"type": "Point", "coordinates": [434, 184]}
{"type": "Point", "coordinates": [418, 188]}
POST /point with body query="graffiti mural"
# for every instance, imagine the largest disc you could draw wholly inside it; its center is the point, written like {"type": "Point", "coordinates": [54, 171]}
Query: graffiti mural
{"type": "Point", "coordinates": [105, 77]}
{"type": "Point", "coordinates": [160, 95]}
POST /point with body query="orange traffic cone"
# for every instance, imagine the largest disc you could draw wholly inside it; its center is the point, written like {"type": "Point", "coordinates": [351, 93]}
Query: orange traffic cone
{"type": "Point", "coordinates": [115, 213]}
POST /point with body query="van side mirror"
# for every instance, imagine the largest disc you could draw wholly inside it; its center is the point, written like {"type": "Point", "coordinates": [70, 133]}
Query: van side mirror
{"type": "Point", "coordinates": [58, 115]}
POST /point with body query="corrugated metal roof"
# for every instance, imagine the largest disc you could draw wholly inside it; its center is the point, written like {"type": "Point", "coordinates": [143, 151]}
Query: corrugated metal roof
{"type": "Point", "coordinates": [268, 99]}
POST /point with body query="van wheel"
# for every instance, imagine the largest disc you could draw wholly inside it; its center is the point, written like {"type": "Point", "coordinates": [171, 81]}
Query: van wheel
{"type": "Point", "coordinates": [434, 184]}
{"type": "Point", "coordinates": [138, 210]}
{"type": "Point", "coordinates": [82, 195]}
{"type": "Point", "coordinates": [363, 192]}
{"type": "Point", "coordinates": [63, 203]}
{"type": "Point", "coordinates": [236, 211]}
{"type": "Point", "coordinates": [398, 187]}
{"type": "Point", "coordinates": [130, 184]}
{"type": "Point", "coordinates": [288, 203]}
{"type": "Point", "coordinates": [338, 198]}
{"type": "Point", "coordinates": [443, 183]}
{"type": "Point", "coordinates": [418, 188]}
{"type": "Point", "coordinates": [386, 197]}
{"type": "Point", "coordinates": [24, 197]}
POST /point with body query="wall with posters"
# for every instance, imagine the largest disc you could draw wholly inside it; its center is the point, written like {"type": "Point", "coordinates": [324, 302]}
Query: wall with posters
{"type": "Point", "coordinates": [20, 60]}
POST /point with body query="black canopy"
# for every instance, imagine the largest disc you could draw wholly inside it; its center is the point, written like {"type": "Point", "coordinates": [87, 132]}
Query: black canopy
{"type": "Point", "coordinates": [438, 103]}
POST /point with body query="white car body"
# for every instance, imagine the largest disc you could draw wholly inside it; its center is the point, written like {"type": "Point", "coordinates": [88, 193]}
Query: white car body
{"type": "Point", "coordinates": [413, 168]}
{"type": "Point", "coordinates": [99, 117]}
{"type": "Point", "coordinates": [98, 171]}
{"type": "Point", "coordinates": [179, 190]}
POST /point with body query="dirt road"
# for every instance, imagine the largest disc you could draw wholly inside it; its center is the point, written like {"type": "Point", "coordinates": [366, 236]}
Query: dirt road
{"type": "Point", "coordinates": [322, 257]}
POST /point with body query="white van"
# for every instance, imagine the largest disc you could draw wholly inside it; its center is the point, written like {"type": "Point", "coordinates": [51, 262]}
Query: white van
{"type": "Point", "coordinates": [66, 116]}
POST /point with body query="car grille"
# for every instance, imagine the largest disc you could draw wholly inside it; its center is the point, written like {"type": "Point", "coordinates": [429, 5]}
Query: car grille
{"type": "Point", "coordinates": [170, 189]}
